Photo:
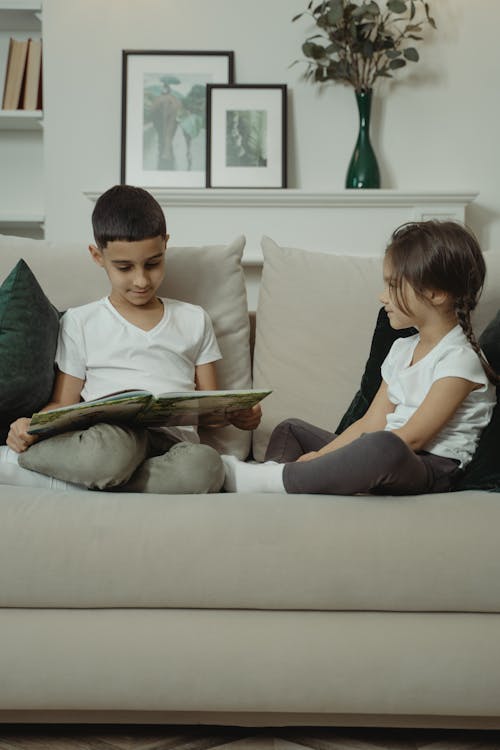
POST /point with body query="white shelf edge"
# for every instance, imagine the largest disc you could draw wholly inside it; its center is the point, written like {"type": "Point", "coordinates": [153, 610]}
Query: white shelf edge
{"type": "Point", "coordinates": [21, 220]}
{"type": "Point", "coordinates": [33, 6]}
{"type": "Point", "coordinates": [293, 198]}
{"type": "Point", "coordinates": [21, 119]}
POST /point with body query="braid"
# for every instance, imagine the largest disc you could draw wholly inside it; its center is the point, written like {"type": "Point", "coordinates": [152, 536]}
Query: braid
{"type": "Point", "coordinates": [463, 307]}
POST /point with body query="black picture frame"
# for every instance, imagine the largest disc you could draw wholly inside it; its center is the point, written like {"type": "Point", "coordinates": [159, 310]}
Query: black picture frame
{"type": "Point", "coordinates": [247, 135]}
{"type": "Point", "coordinates": [158, 86]}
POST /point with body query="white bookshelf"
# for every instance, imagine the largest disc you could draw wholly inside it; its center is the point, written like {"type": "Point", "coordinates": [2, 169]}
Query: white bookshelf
{"type": "Point", "coordinates": [21, 133]}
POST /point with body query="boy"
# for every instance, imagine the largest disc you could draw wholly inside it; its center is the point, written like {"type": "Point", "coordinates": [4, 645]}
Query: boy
{"type": "Point", "coordinates": [130, 340]}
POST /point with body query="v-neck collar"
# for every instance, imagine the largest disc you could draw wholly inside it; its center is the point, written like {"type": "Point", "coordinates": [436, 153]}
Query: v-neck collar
{"type": "Point", "coordinates": [409, 365]}
{"type": "Point", "coordinates": [134, 327]}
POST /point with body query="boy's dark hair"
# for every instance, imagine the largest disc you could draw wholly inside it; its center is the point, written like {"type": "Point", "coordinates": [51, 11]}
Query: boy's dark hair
{"type": "Point", "coordinates": [127, 213]}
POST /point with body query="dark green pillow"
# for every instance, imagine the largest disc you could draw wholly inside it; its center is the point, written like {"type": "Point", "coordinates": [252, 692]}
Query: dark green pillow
{"type": "Point", "coordinates": [29, 325]}
{"type": "Point", "coordinates": [383, 338]}
{"type": "Point", "coordinates": [483, 472]}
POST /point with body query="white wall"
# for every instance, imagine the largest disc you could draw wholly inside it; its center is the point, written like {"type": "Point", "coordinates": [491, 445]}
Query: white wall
{"type": "Point", "coordinates": [437, 127]}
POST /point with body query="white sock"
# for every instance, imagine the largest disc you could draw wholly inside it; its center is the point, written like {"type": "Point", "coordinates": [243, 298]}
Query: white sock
{"type": "Point", "coordinates": [245, 477]}
{"type": "Point", "coordinates": [12, 473]}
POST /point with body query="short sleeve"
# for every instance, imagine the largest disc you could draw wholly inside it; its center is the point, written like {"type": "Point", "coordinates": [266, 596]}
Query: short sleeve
{"type": "Point", "coordinates": [70, 352]}
{"type": "Point", "coordinates": [461, 362]}
{"type": "Point", "coordinates": [208, 350]}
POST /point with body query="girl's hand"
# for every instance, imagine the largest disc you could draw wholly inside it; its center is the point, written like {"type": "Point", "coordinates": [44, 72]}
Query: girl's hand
{"type": "Point", "coordinates": [246, 419]}
{"type": "Point", "coordinates": [18, 438]}
{"type": "Point", "coordinates": [308, 456]}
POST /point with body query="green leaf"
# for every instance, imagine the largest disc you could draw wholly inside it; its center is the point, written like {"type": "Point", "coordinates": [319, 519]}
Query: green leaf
{"type": "Point", "coordinates": [367, 49]}
{"type": "Point", "coordinates": [315, 51]}
{"type": "Point", "coordinates": [411, 54]}
{"type": "Point", "coordinates": [359, 12]}
{"type": "Point", "coordinates": [296, 18]}
{"type": "Point", "coordinates": [412, 10]}
{"type": "Point", "coordinates": [395, 64]}
{"type": "Point", "coordinates": [335, 13]}
{"type": "Point", "coordinates": [333, 48]}
{"type": "Point", "coordinates": [372, 9]}
{"type": "Point", "coordinates": [396, 6]}
{"type": "Point", "coordinates": [392, 53]}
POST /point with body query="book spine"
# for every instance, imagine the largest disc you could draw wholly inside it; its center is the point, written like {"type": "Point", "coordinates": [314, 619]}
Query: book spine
{"type": "Point", "coordinates": [16, 74]}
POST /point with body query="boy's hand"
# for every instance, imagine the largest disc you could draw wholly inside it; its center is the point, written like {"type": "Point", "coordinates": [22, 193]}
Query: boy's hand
{"type": "Point", "coordinates": [246, 419]}
{"type": "Point", "coordinates": [18, 438]}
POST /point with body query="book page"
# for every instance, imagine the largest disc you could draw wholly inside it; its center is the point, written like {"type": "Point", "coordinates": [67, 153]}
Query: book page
{"type": "Point", "coordinates": [199, 407]}
{"type": "Point", "coordinates": [119, 407]}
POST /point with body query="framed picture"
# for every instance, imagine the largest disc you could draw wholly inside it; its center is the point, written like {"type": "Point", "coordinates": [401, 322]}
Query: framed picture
{"type": "Point", "coordinates": [164, 115]}
{"type": "Point", "coordinates": [246, 136]}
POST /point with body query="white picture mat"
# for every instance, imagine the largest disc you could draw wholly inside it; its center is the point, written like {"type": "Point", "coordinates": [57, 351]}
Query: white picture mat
{"type": "Point", "coordinates": [224, 100]}
{"type": "Point", "coordinates": [216, 70]}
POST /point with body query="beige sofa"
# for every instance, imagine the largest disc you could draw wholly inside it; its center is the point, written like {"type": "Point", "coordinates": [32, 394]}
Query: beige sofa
{"type": "Point", "coordinates": [241, 609]}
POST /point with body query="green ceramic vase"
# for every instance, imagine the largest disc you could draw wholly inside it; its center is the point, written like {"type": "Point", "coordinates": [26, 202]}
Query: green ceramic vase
{"type": "Point", "coordinates": [363, 169]}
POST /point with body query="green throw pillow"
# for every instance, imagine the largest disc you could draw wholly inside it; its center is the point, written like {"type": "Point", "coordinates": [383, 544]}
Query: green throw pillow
{"type": "Point", "coordinates": [29, 325]}
{"type": "Point", "coordinates": [383, 338]}
{"type": "Point", "coordinates": [483, 472]}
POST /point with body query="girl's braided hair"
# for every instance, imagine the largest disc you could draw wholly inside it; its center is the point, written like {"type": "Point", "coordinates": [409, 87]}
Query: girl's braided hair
{"type": "Point", "coordinates": [441, 256]}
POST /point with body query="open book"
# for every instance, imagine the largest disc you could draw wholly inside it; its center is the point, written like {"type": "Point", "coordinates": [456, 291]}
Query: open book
{"type": "Point", "coordinates": [142, 409]}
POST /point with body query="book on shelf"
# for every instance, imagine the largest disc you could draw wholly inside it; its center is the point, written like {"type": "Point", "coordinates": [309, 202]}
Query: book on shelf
{"type": "Point", "coordinates": [32, 95]}
{"type": "Point", "coordinates": [143, 409]}
{"type": "Point", "coordinates": [15, 74]}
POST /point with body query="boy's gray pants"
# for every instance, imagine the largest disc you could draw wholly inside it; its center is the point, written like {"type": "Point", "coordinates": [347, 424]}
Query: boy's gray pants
{"type": "Point", "coordinates": [377, 463]}
{"type": "Point", "coordinates": [114, 457]}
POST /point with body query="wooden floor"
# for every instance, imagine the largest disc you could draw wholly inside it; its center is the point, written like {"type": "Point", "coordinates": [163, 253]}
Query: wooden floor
{"type": "Point", "coordinates": [79, 737]}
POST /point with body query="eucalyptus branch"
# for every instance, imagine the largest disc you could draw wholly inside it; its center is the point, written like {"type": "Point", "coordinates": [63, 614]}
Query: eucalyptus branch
{"type": "Point", "coordinates": [359, 43]}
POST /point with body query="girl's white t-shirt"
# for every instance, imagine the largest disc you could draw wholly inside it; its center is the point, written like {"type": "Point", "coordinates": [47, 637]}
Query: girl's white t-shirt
{"type": "Point", "coordinates": [408, 385]}
{"type": "Point", "coordinates": [110, 354]}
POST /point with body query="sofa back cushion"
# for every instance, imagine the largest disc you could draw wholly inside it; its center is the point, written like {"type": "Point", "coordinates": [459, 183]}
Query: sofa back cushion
{"type": "Point", "coordinates": [210, 276]}
{"type": "Point", "coordinates": [315, 319]}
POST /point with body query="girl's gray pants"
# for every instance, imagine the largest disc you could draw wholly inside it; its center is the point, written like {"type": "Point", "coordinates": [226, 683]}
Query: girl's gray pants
{"type": "Point", "coordinates": [375, 463]}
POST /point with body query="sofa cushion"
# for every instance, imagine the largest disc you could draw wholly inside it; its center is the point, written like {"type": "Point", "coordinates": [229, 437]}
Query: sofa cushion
{"type": "Point", "coordinates": [29, 325]}
{"type": "Point", "coordinates": [210, 276]}
{"type": "Point", "coordinates": [314, 321]}
{"type": "Point", "coordinates": [292, 552]}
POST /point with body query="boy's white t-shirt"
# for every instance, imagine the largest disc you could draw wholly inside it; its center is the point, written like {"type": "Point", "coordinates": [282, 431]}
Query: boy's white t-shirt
{"type": "Point", "coordinates": [110, 354]}
{"type": "Point", "coordinates": [408, 385]}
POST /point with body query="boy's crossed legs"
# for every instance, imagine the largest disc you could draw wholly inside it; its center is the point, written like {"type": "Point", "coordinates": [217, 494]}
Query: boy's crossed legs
{"type": "Point", "coordinates": [113, 457]}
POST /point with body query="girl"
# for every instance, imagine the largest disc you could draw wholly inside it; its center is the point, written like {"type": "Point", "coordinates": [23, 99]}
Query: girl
{"type": "Point", "coordinates": [436, 395]}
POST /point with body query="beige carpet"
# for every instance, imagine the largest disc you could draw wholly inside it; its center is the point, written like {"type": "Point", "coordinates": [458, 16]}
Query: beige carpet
{"type": "Point", "coordinates": [79, 737]}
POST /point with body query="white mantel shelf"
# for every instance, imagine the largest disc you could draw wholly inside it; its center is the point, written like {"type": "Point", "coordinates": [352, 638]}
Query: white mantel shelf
{"type": "Point", "coordinates": [358, 222]}
{"type": "Point", "coordinates": [291, 198]}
